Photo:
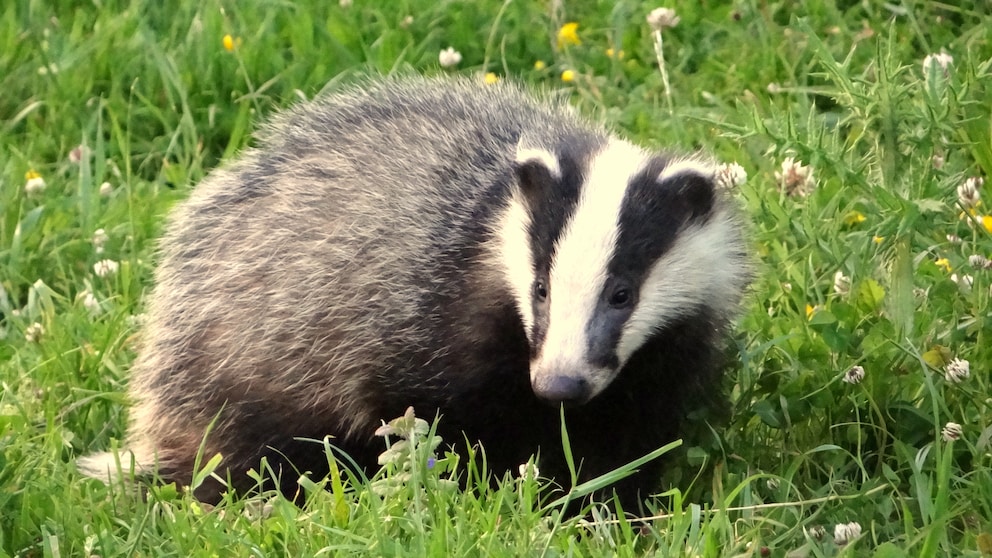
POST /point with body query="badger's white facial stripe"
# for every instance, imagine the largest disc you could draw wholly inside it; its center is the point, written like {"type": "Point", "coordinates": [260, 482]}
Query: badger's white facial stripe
{"type": "Point", "coordinates": [579, 268]}
{"type": "Point", "coordinates": [541, 156]}
{"type": "Point", "coordinates": [686, 166]}
{"type": "Point", "coordinates": [684, 278]}
{"type": "Point", "coordinates": [517, 260]}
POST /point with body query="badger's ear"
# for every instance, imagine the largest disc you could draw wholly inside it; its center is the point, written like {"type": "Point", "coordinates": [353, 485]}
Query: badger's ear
{"type": "Point", "coordinates": [538, 173]}
{"type": "Point", "coordinates": [693, 183]}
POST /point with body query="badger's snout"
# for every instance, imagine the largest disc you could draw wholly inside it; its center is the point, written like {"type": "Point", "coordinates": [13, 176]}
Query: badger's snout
{"type": "Point", "coordinates": [559, 389]}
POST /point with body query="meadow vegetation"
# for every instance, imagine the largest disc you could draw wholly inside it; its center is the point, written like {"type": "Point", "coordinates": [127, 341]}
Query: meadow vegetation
{"type": "Point", "coordinates": [861, 396]}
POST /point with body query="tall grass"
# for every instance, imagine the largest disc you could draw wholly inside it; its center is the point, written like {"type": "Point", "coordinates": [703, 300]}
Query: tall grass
{"type": "Point", "coordinates": [121, 107]}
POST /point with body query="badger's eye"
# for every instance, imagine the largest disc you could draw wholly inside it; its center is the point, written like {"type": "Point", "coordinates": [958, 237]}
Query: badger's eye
{"type": "Point", "coordinates": [621, 298]}
{"type": "Point", "coordinates": [540, 291]}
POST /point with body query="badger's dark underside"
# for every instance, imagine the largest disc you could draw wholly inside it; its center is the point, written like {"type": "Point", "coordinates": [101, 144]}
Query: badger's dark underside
{"type": "Point", "coordinates": [641, 411]}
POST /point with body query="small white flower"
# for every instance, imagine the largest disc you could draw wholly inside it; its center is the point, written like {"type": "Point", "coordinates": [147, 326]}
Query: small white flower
{"type": "Point", "coordinates": [660, 18]}
{"type": "Point", "coordinates": [99, 239]}
{"type": "Point", "coordinates": [105, 268]}
{"type": "Point", "coordinates": [78, 154]}
{"type": "Point", "coordinates": [957, 371]}
{"type": "Point", "coordinates": [943, 60]}
{"type": "Point", "coordinates": [34, 332]}
{"type": "Point", "coordinates": [106, 189]}
{"type": "Point", "coordinates": [34, 183]}
{"type": "Point", "coordinates": [951, 431]}
{"type": "Point", "coordinates": [846, 532]}
{"type": "Point", "coordinates": [968, 191]}
{"type": "Point", "coordinates": [406, 22]}
{"type": "Point", "coordinates": [954, 239]}
{"type": "Point", "coordinates": [345, 3]}
{"type": "Point", "coordinates": [816, 532]}
{"type": "Point", "coordinates": [979, 261]}
{"type": "Point", "coordinates": [795, 178]}
{"type": "Point", "coordinates": [528, 470]}
{"type": "Point", "coordinates": [730, 175]}
{"type": "Point", "coordinates": [135, 321]}
{"type": "Point", "coordinates": [89, 301]}
{"type": "Point", "coordinates": [449, 57]}
{"type": "Point", "coordinates": [854, 375]}
{"type": "Point", "coordinates": [842, 283]}
{"type": "Point", "coordinates": [963, 281]}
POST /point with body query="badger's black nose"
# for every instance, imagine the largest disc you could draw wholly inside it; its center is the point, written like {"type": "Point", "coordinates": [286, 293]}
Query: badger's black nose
{"type": "Point", "coordinates": [556, 389]}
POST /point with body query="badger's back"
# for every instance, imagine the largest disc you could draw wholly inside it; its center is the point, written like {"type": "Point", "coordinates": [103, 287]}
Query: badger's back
{"type": "Point", "coordinates": [382, 248]}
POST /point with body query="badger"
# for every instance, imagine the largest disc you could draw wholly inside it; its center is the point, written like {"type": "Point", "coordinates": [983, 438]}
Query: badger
{"type": "Point", "coordinates": [476, 251]}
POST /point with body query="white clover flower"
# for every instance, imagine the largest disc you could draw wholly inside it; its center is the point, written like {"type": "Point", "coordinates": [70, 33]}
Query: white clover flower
{"type": "Point", "coordinates": [528, 471]}
{"type": "Point", "coordinates": [842, 283]}
{"type": "Point", "coordinates": [106, 189]}
{"type": "Point", "coordinates": [954, 239]}
{"type": "Point", "coordinates": [951, 431]}
{"type": "Point", "coordinates": [730, 175]}
{"type": "Point", "coordinates": [90, 301]}
{"type": "Point", "coordinates": [660, 18]}
{"type": "Point", "coordinates": [449, 57]}
{"type": "Point", "coordinates": [943, 60]}
{"type": "Point", "coordinates": [135, 321]}
{"type": "Point", "coordinates": [99, 239]}
{"type": "Point", "coordinates": [979, 261]}
{"type": "Point", "coordinates": [957, 371]}
{"type": "Point", "coordinates": [854, 375]}
{"type": "Point", "coordinates": [795, 178]}
{"type": "Point", "coordinates": [963, 281]}
{"type": "Point", "coordinates": [34, 332]}
{"type": "Point", "coordinates": [78, 153]}
{"type": "Point", "coordinates": [105, 268]}
{"type": "Point", "coordinates": [34, 183]}
{"type": "Point", "coordinates": [968, 191]}
{"type": "Point", "coordinates": [846, 532]}
{"type": "Point", "coordinates": [816, 532]}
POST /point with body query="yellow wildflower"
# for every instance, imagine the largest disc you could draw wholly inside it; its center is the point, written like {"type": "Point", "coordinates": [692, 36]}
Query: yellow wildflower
{"type": "Point", "coordinates": [568, 35]}
{"type": "Point", "coordinates": [854, 217]}
{"type": "Point", "coordinates": [944, 263]}
{"type": "Point", "coordinates": [568, 76]}
{"type": "Point", "coordinates": [987, 222]}
{"type": "Point", "coordinates": [228, 43]}
{"type": "Point", "coordinates": [490, 78]}
{"type": "Point", "coordinates": [878, 239]}
{"type": "Point", "coordinates": [610, 53]}
{"type": "Point", "coordinates": [810, 310]}
{"type": "Point", "coordinates": [540, 65]}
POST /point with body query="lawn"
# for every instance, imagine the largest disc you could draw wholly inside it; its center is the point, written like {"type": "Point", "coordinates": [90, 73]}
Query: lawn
{"type": "Point", "coordinates": [860, 417]}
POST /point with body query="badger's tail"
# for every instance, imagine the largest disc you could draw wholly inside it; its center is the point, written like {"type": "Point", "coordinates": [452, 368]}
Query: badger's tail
{"type": "Point", "coordinates": [112, 466]}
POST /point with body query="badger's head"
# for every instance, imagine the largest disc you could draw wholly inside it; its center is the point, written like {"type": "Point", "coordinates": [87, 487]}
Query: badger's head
{"type": "Point", "coordinates": [604, 247]}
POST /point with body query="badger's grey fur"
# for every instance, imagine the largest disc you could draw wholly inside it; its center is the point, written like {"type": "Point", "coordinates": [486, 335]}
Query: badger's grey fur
{"type": "Point", "coordinates": [461, 248]}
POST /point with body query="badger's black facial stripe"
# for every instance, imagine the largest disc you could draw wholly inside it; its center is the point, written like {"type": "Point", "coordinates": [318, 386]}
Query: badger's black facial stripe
{"type": "Point", "coordinates": [603, 334]}
{"type": "Point", "coordinates": [653, 213]}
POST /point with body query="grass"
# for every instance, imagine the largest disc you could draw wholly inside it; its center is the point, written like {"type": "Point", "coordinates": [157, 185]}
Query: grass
{"type": "Point", "coordinates": [156, 99]}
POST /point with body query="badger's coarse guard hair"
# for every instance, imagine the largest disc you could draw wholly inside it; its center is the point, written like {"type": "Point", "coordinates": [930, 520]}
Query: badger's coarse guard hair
{"type": "Point", "coordinates": [461, 248]}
